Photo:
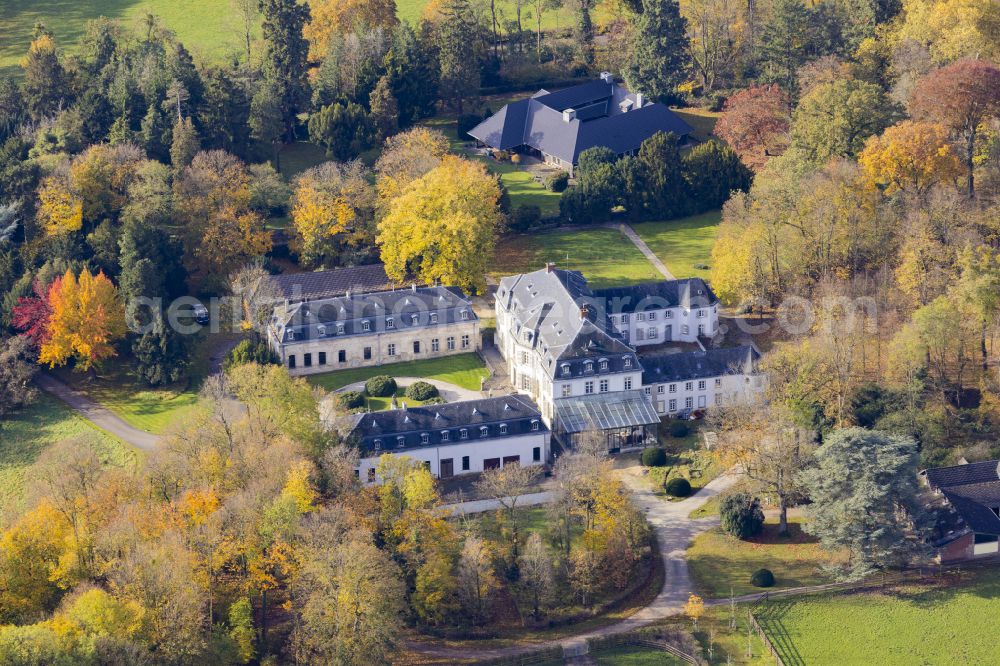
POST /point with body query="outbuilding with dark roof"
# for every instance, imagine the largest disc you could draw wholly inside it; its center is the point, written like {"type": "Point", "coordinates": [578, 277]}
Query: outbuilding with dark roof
{"type": "Point", "coordinates": [965, 502]}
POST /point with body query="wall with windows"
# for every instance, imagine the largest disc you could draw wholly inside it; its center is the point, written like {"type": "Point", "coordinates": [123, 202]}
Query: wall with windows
{"type": "Point", "coordinates": [686, 395]}
{"type": "Point", "coordinates": [379, 348]}
{"type": "Point", "coordinates": [469, 456]}
{"type": "Point", "coordinates": [654, 327]}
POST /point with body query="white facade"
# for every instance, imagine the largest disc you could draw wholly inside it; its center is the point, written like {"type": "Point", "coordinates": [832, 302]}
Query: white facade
{"type": "Point", "coordinates": [669, 398]}
{"type": "Point", "coordinates": [654, 327]}
{"type": "Point", "coordinates": [471, 456]}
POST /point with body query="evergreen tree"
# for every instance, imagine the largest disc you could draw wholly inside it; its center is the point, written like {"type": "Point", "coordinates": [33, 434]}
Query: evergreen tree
{"type": "Point", "coordinates": [785, 43]}
{"type": "Point", "coordinates": [267, 118]}
{"type": "Point", "coordinates": [181, 68]}
{"type": "Point", "coordinates": [155, 134]}
{"type": "Point", "coordinates": [224, 113]}
{"type": "Point", "coordinates": [457, 53]}
{"type": "Point", "coordinates": [659, 53]}
{"type": "Point", "coordinates": [45, 81]}
{"type": "Point", "coordinates": [344, 130]}
{"type": "Point", "coordinates": [384, 110]}
{"type": "Point", "coordinates": [286, 56]}
{"type": "Point", "coordinates": [583, 31]}
{"type": "Point", "coordinates": [663, 176]}
{"type": "Point", "coordinates": [185, 143]}
{"type": "Point", "coordinates": [161, 355]}
{"type": "Point", "coordinates": [864, 494]}
{"type": "Point", "coordinates": [412, 67]}
{"type": "Point", "coordinates": [713, 171]}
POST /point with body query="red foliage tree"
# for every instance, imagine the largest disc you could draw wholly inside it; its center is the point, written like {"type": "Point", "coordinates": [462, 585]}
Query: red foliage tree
{"type": "Point", "coordinates": [755, 123]}
{"type": "Point", "coordinates": [32, 313]}
{"type": "Point", "coordinates": [960, 96]}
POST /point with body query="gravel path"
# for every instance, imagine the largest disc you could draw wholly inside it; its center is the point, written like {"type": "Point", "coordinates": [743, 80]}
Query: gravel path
{"type": "Point", "coordinates": [100, 416]}
{"type": "Point", "coordinates": [641, 244]}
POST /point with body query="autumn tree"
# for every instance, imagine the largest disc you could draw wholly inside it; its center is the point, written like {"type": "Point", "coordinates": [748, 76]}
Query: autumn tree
{"type": "Point", "coordinates": [476, 578]}
{"type": "Point", "coordinates": [443, 226]}
{"type": "Point", "coordinates": [330, 200]}
{"type": "Point", "coordinates": [405, 157]}
{"type": "Point", "coordinates": [17, 368]}
{"type": "Point", "coordinates": [330, 17]}
{"type": "Point", "coordinates": [537, 575]}
{"type": "Point", "coordinates": [961, 97]}
{"type": "Point", "coordinates": [60, 209]}
{"type": "Point", "coordinates": [87, 319]}
{"type": "Point", "coordinates": [506, 485]}
{"type": "Point", "coordinates": [755, 123]}
{"type": "Point", "coordinates": [30, 550]}
{"type": "Point", "coordinates": [910, 156]}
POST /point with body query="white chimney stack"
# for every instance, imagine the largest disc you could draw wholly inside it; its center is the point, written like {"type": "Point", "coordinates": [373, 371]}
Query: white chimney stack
{"type": "Point", "coordinates": [639, 100]}
{"type": "Point", "coordinates": [569, 115]}
{"type": "Point", "coordinates": [607, 77]}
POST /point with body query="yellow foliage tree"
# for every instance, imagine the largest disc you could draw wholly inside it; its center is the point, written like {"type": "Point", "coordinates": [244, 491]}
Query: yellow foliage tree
{"type": "Point", "coordinates": [87, 318]}
{"type": "Point", "coordinates": [405, 157]}
{"type": "Point", "coordinates": [60, 211]}
{"type": "Point", "coordinates": [318, 215]}
{"type": "Point", "coordinates": [910, 156]}
{"type": "Point", "coordinates": [299, 487]}
{"type": "Point", "coordinates": [952, 29]}
{"type": "Point", "coordinates": [443, 226]}
{"type": "Point", "coordinates": [30, 551]}
{"type": "Point", "coordinates": [345, 16]}
{"type": "Point", "coordinates": [694, 608]}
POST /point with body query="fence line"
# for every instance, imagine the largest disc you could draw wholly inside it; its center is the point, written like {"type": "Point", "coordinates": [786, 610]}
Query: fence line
{"type": "Point", "coordinates": [617, 640]}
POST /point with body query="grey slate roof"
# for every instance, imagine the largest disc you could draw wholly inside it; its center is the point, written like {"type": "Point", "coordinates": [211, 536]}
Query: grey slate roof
{"type": "Point", "coordinates": [688, 293]}
{"type": "Point", "coordinates": [602, 411]}
{"type": "Point", "coordinates": [547, 308]}
{"type": "Point", "coordinates": [518, 413]}
{"type": "Point", "coordinates": [384, 310]}
{"type": "Point", "coordinates": [601, 120]}
{"type": "Point", "coordinates": [973, 491]}
{"type": "Point", "coordinates": [683, 366]}
{"type": "Point", "coordinates": [328, 284]}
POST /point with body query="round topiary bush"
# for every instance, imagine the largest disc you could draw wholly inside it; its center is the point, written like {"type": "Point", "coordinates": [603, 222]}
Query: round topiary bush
{"type": "Point", "coordinates": [741, 515]}
{"type": "Point", "coordinates": [351, 399]}
{"type": "Point", "coordinates": [557, 182]}
{"type": "Point", "coordinates": [380, 386]}
{"type": "Point", "coordinates": [654, 456]}
{"type": "Point", "coordinates": [678, 487]}
{"type": "Point", "coordinates": [762, 578]}
{"type": "Point", "coordinates": [421, 391]}
{"type": "Point", "coordinates": [679, 429]}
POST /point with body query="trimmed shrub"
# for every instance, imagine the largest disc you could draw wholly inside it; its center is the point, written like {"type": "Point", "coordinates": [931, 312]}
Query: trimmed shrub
{"type": "Point", "coordinates": [248, 352]}
{"type": "Point", "coordinates": [515, 158]}
{"type": "Point", "coordinates": [679, 429]}
{"type": "Point", "coordinates": [380, 386]}
{"type": "Point", "coordinates": [421, 391]}
{"type": "Point", "coordinates": [678, 487]}
{"type": "Point", "coordinates": [436, 401]}
{"type": "Point", "coordinates": [741, 515]}
{"type": "Point", "coordinates": [762, 578]}
{"type": "Point", "coordinates": [525, 218]}
{"type": "Point", "coordinates": [351, 399]}
{"type": "Point", "coordinates": [557, 182]}
{"type": "Point", "coordinates": [465, 122]}
{"type": "Point", "coordinates": [654, 456]}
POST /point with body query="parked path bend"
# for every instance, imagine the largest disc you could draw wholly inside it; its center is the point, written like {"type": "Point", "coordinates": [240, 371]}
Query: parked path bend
{"type": "Point", "coordinates": [674, 532]}
{"type": "Point", "coordinates": [100, 416]}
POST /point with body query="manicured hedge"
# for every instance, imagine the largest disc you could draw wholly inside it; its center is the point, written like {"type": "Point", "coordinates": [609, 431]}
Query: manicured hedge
{"type": "Point", "coordinates": [381, 386]}
{"type": "Point", "coordinates": [352, 399]}
{"type": "Point", "coordinates": [421, 391]}
{"type": "Point", "coordinates": [762, 578]}
{"type": "Point", "coordinates": [678, 487]}
{"type": "Point", "coordinates": [654, 456]}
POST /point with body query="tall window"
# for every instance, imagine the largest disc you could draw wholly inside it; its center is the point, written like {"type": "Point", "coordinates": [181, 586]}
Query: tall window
{"type": "Point", "coordinates": [367, 354]}
{"type": "Point", "coordinates": [416, 346]}
{"type": "Point", "coordinates": [465, 342]}
{"type": "Point", "coordinates": [628, 383]}
{"type": "Point", "coordinates": [588, 388]}
{"type": "Point", "coordinates": [673, 405]}
{"type": "Point", "coordinates": [688, 386]}
{"type": "Point", "coordinates": [435, 345]}
{"type": "Point", "coordinates": [701, 385]}
{"type": "Point", "coordinates": [451, 344]}
{"type": "Point", "coordinates": [567, 390]}
{"type": "Point", "coordinates": [603, 386]}
{"type": "Point", "coordinates": [392, 349]}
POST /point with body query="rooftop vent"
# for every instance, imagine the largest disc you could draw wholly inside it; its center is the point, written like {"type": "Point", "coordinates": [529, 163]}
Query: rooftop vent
{"type": "Point", "coordinates": [607, 77]}
{"type": "Point", "coordinates": [549, 267]}
{"type": "Point", "coordinates": [569, 115]}
{"type": "Point", "coordinates": [640, 99]}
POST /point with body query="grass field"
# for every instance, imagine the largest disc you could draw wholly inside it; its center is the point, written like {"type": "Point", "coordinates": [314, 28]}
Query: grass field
{"type": "Point", "coordinates": [720, 563]}
{"type": "Point", "coordinates": [209, 29]}
{"type": "Point", "coordinates": [604, 256]}
{"type": "Point", "coordinates": [700, 120]}
{"type": "Point", "coordinates": [465, 370]}
{"type": "Point", "coordinates": [31, 431]}
{"type": "Point", "coordinates": [630, 655]}
{"type": "Point", "coordinates": [681, 244]}
{"type": "Point", "coordinates": [411, 10]}
{"type": "Point", "coordinates": [951, 624]}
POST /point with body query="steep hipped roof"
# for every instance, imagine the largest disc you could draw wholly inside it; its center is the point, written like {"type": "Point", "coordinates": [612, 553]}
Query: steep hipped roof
{"type": "Point", "coordinates": [688, 293]}
{"type": "Point", "coordinates": [606, 114]}
{"type": "Point", "coordinates": [517, 412]}
{"type": "Point", "coordinates": [973, 491]}
{"type": "Point", "coordinates": [684, 366]}
{"type": "Point", "coordinates": [328, 284]}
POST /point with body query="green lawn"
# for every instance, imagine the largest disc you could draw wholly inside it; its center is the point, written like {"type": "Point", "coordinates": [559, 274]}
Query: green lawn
{"type": "Point", "coordinates": [30, 431]}
{"type": "Point", "coordinates": [632, 655]}
{"type": "Point", "coordinates": [299, 156]}
{"type": "Point", "coordinates": [208, 28]}
{"type": "Point", "coordinates": [681, 244]}
{"type": "Point", "coordinates": [950, 624]}
{"type": "Point", "coordinates": [700, 120]}
{"type": "Point", "coordinates": [720, 563]}
{"type": "Point", "coordinates": [465, 370]}
{"type": "Point", "coordinates": [411, 11]}
{"type": "Point", "coordinates": [605, 256]}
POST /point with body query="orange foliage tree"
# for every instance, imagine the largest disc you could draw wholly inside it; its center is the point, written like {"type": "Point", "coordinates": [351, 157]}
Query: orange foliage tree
{"type": "Point", "coordinates": [87, 318]}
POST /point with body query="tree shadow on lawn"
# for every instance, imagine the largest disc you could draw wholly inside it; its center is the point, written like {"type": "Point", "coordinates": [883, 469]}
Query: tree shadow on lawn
{"type": "Point", "coordinates": [770, 536]}
{"type": "Point", "coordinates": [934, 593]}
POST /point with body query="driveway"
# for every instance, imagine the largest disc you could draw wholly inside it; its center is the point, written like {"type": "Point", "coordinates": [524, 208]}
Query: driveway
{"type": "Point", "coordinates": [100, 416]}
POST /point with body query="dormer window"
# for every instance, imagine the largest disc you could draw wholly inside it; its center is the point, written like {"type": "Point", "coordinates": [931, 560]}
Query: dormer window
{"type": "Point", "coordinates": [425, 438]}
{"type": "Point", "coordinates": [534, 424]}
{"type": "Point", "coordinates": [445, 435]}
{"type": "Point", "coordinates": [366, 325]}
{"type": "Point", "coordinates": [378, 444]}
{"type": "Point", "coordinates": [400, 442]}
{"type": "Point", "coordinates": [434, 318]}
{"type": "Point", "coordinates": [588, 366]}
{"type": "Point", "coordinates": [603, 364]}
{"type": "Point", "coordinates": [465, 314]}
{"type": "Point", "coordinates": [565, 369]}
{"type": "Point", "coordinates": [503, 428]}
{"type": "Point", "coordinates": [291, 334]}
{"type": "Point", "coordinates": [463, 433]}
{"type": "Point", "coordinates": [484, 431]}
{"type": "Point", "coordinates": [321, 329]}
{"type": "Point", "coordinates": [415, 319]}
{"type": "Point", "coordinates": [628, 362]}
{"type": "Point", "coordinates": [389, 323]}
{"type": "Point", "coordinates": [340, 328]}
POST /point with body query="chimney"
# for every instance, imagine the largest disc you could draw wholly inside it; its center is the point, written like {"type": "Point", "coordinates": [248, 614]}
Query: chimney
{"type": "Point", "coordinates": [569, 115]}
{"type": "Point", "coordinates": [347, 294]}
{"type": "Point", "coordinates": [607, 77]}
{"type": "Point", "coordinates": [584, 311]}
{"type": "Point", "coordinates": [549, 267]}
{"type": "Point", "coordinates": [639, 100]}
{"type": "Point", "coordinates": [413, 286]}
